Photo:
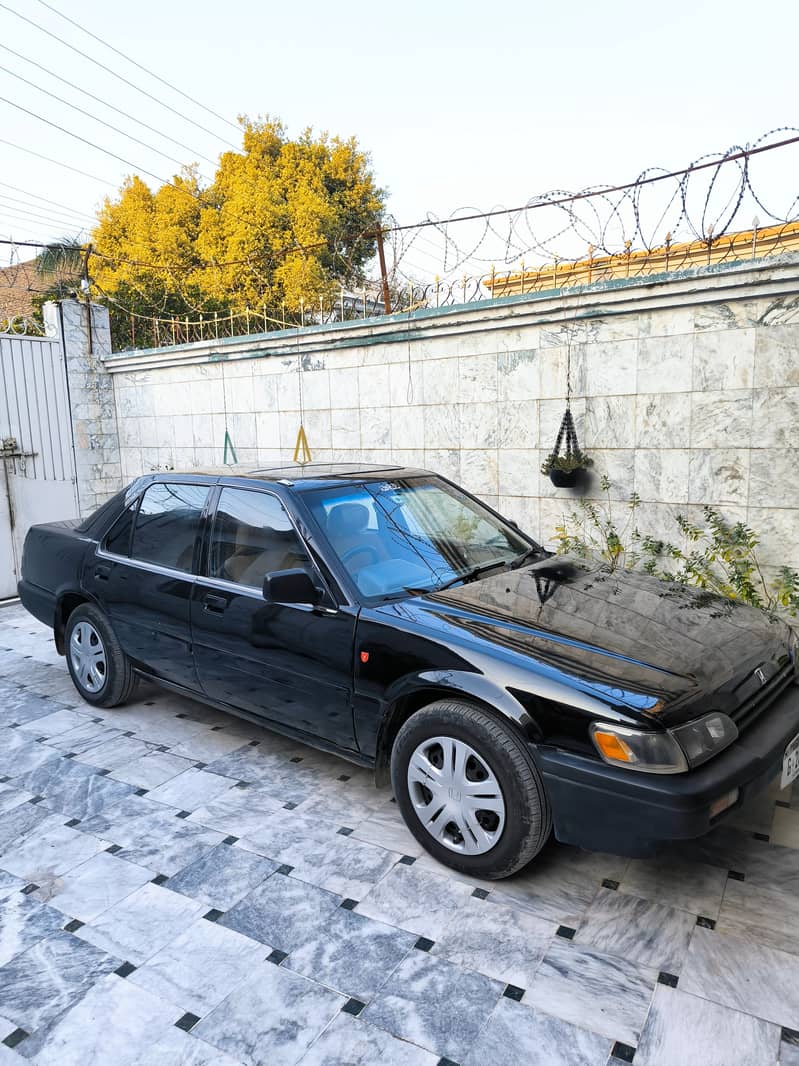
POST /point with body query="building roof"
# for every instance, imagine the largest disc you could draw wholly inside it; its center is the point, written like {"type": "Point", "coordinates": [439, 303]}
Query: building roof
{"type": "Point", "coordinates": [17, 283]}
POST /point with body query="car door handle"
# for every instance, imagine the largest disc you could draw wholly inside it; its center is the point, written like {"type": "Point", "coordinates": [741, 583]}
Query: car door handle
{"type": "Point", "coordinates": [102, 572]}
{"type": "Point", "coordinates": [214, 603]}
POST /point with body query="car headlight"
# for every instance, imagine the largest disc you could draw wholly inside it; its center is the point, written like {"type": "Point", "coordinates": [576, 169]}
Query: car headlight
{"type": "Point", "coordinates": [705, 737]}
{"type": "Point", "coordinates": [671, 752]}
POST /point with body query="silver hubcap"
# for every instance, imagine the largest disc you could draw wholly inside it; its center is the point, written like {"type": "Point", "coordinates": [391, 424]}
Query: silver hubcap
{"type": "Point", "coordinates": [456, 795]}
{"type": "Point", "coordinates": [87, 655]}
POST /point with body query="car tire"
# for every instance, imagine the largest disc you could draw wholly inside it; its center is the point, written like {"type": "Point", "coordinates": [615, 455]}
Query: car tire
{"type": "Point", "coordinates": [481, 761]}
{"type": "Point", "coordinates": [98, 666]}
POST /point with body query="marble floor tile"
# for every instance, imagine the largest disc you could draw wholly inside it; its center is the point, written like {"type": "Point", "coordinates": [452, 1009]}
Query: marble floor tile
{"type": "Point", "coordinates": [349, 867]}
{"type": "Point", "coordinates": [200, 967]}
{"type": "Point", "coordinates": [24, 922]}
{"type": "Point", "coordinates": [95, 885]}
{"type": "Point", "coordinates": [352, 955]}
{"type": "Point", "coordinates": [176, 1048]}
{"type": "Point", "coordinates": [51, 725]}
{"type": "Point", "coordinates": [21, 757]}
{"type": "Point", "coordinates": [151, 770]}
{"type": "Point", "coordinates": [500, 942]}
{"type": "Point", "coordinates": [434, 1003]}
{"type": "Point", "coordinates": [636, 929]}
{"type": "Point", "coordinates": [682, 1029]}
{"type": "Point", "coordinates": [558, 885]}
{"type": "Point", "coordinates": [691, 886]}
{"type": "Point", "coordinates": [603, 993]}
{"type": "Point", "coordinates": [517, 1034]}
{"type": "Point", "coordinates": [222, 876]}
{"type": "Point", "coordinates": [349, 1041]}
{"type": "Point", "coordinates": [209, 745]}
{"type": "Point", "coordinates": [9, 885]}
{"type": "Point", "coordinates": [285, 834]}
{"type": "Point", "coordinates": [386, 828]}
{"type": "Point", "coordinates": [168, 844]}
{"type": "Point", "coordinates": [112, 1023]}
{"type": "Point", "coordinates": [769, 915]}
{"type": "Point", "coordinates": [283, 780]}
{"type": "Point", "coordinates": [789, 1054]}
{"type": "Point", "coordinates": [743, 975]}
{"type": "Point", "coordinates": [271, 1019]}
{"type": "Point", "coordinates": [115, 752]}
{"type": "Point", "coordinates": [414, 900]}
{"type": "Point", "coordinates": [141, 924]}
{"type": "Point", "coordinates": [6, 1027]}
{"type": "Point", "coordinates": [342, 805]}
{"type": "Point", "coordinates": [48, 978]}
{"type": "Point", "coordinates": [283, 913]}
{"type": "Point", "coordinates": [74, 789]}
{"type": "Point", "coordinates": [191, 789]}
{"type": "Point", "coordinates": [11, 797]}
{"type": "Point", "coordinates": [48, 852]}
{"type": "Point", "coordinates": [238, 812]}
{"type": "Point", "coordinates": [84, 737]}
{"type": "Point", "coordinates": [785, 828]}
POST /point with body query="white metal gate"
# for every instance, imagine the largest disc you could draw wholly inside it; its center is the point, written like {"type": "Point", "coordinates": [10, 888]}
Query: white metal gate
{"type": "Point", "coordinates": [37, 476]}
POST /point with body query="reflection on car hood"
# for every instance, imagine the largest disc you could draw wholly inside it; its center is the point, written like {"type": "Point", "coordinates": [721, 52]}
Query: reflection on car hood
{"type": "Point", "coordinates": [623, 633]}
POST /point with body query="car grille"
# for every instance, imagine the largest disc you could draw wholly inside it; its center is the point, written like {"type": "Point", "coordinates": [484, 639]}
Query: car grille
{"type": "Point", "coordinates": [751, 709]}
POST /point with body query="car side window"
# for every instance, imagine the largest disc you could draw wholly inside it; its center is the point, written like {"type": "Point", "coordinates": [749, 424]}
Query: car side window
{"type": "Point", "coordinates": [167, 523]}
{"type": "Point", "coordinates": [117, 539]}
{"type": "Point", "coordinates": [252, 536]}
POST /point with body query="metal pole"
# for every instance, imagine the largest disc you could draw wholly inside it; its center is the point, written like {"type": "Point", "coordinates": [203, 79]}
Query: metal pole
{"type": "Point", "coordinates": [381, 254]}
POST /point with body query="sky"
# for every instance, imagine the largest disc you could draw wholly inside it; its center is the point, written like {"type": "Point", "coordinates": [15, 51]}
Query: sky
{"type": "Point", "coordinates": [468, 105]}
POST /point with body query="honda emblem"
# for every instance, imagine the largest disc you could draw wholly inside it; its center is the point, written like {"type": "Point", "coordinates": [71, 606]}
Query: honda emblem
{"type": "Point", "coordinates": [760, 676]}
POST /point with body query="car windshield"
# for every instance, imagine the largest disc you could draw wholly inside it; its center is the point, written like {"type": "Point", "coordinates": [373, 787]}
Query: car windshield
{"type": "Point", "coordinates": [412, 534]}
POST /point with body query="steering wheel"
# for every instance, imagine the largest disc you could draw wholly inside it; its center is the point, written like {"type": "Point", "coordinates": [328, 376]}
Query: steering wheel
{"type": "Point", "coordinates": [350, 552]}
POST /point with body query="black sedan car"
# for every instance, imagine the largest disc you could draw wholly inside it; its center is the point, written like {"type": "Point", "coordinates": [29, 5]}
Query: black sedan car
{"type": "Point", "coordinates": [388, 616]}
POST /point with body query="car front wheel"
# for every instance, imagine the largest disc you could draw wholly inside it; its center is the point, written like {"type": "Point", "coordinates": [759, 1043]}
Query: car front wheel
{"type": "Point", "coordinates": [97, 664]}
{"type": "Point", "coordinates": [469, 790]}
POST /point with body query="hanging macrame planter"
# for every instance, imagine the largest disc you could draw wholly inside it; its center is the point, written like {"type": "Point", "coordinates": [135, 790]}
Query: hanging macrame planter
{"type": "Point", "coordinates": [566, 464]}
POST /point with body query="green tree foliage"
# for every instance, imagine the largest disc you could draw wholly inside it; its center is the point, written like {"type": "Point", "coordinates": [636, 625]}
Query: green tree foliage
{"type": "Point", "coordinates": [284, 221]}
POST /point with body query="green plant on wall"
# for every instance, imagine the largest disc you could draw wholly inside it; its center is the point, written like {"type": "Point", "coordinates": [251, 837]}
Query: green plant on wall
{"type": "Point", "coordinates": [717, 555]}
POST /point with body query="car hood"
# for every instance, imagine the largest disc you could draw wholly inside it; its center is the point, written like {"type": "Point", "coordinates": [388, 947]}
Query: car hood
{"type": "Point", "coordinates": [650, 646]}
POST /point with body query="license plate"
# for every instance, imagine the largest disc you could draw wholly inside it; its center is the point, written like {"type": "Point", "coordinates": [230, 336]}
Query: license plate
{"type": "Point", "coordinates": [790, 763]}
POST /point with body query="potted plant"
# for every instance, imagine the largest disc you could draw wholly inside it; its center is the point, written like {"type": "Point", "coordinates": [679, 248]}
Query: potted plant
{"type": "Point", "coordinates": [565, 469]}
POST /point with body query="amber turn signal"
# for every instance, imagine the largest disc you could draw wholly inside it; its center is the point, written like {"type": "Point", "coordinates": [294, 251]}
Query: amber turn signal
{"type": "Point", "coordinates": [613, 747]}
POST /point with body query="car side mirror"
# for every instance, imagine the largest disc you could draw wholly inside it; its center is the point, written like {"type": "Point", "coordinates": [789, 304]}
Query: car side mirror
{"type": "Point", "coordinates": [290, 586]}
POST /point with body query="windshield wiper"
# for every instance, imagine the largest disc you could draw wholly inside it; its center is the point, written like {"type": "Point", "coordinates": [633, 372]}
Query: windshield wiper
{"type": "Point", "coordinates": [525, 557]}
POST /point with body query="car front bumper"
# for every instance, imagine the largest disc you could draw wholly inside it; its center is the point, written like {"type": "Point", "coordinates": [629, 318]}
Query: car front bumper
{"type": "Point", "coordinates": [608, 808]}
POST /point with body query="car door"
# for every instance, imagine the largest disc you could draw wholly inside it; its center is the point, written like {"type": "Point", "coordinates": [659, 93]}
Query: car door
{"type": "Point", "coordinates": [289, 663]}
{"type": "Point", "coordinates": [142, 577]}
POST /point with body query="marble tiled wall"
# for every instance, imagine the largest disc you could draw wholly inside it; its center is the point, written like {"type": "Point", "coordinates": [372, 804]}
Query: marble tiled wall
{"type": "Point", "coordinates": [684, 395]}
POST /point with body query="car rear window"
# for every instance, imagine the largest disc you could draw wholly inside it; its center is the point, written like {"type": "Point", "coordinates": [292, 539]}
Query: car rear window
{"type": "Point", "coordinates": [167, 523]}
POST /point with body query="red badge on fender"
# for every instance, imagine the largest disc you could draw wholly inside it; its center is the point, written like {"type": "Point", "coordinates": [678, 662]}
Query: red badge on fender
{"type": "Point", "coordinates": [364, 656]}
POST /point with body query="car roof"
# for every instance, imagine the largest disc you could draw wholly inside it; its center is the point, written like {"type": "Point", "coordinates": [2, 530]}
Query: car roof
{"type": "Point", "coordinates": [302, 476]}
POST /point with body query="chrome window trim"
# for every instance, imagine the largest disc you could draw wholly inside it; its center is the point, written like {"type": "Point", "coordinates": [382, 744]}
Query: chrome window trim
{"type": "Point", "coordinates": [140, 564]}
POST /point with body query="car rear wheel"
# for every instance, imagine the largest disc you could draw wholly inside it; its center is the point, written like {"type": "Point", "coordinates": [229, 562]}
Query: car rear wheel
{"type": "Point", "coordinates": [469, 790]}
{"type": "Point", "coordinates": [97, 664]}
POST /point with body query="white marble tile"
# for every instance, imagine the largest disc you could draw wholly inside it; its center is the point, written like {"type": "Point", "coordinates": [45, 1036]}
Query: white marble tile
{"type": "Point", "coordinates": [517, 1034]}
{"type": "Point", "coordinates": [191, 789]}
{"type": "Point", "coordinates": [352, 954]}
{"type": "Point", "coordinates": [271, 1018]}
{"type": "Point", "coordinates": [238, 812]}
{"type": "Point", "coordinates": [51, 725]}
{"type": "Point", "coordinates": [636, 929]}
{"type": "Point", "coordinates": [94, 886]}
{"type": "Point", "coordinates": [222, 876]}
{"type": "Point", "coordinates": [24, 922]}
{"type": "Point", "coordinates": [387, 828]}
{"type": "Point", "coordinates": [141, 924]}
{"type": "Point", "coordinates": [200, 967]}
{"type": "Point", "coordinates": [111, 1024]}
{"type": "Point", "coordinates": [41, 983]}
{"type": "Point", "coordinates": [683, 1029]}
{"type": "Point", "coordinates": [349, 1041]}
{"type": "Point", "coordinates": [743, 975]}
{"type": "Point", "coordinates": [210, 745]}
{"type": "Point", "coordinates": [414, 900]}
{"type": "Point", "coordinates": [785, 828]}
{"type": "Point", "coordinates": [349, 867]}
{"type": "Point", "coordinates": [45, 855]}
{"type": "Point", "coordinates": [283, 913]}
{"type": "Point", "coordinates": [691, 886]}
{"type": "Point", "coordinates": [434, 1003]}
{"type": "Point", "coordinates": [500, 942]}
{"type": "Point", "coordinates": [11, 797]}
{"type": "Point", "coordinates": [151, 770]}
{"type": "Point", "coordinates": [601, 992]}
{"type": "Point", "coordinates": [176, 1048]}
{"type": "Point", "coordinates": [116, 752]}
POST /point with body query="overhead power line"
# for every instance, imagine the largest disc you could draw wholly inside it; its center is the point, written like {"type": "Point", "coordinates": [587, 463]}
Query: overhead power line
{"type": "Point", "coordinates": [152, 129]}
{"type": "Point", "coordinates": [61, 209]}
{"type": "Point", "coordinates": [146, 70]}
{"type": "Point", "coordinates": [35, 196]}
{"type": "Point", "coordinates": [57, 162]}
{"type": "Point", "coordinates": [14, 209]}
{"type": "Point", "coordinates": [91, 144]}
{"type": "Point", "coordinates": [115, 74]}
{"type": "Point", "coordinates": [94, 118]}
